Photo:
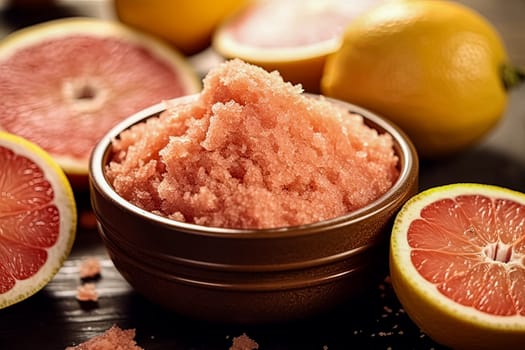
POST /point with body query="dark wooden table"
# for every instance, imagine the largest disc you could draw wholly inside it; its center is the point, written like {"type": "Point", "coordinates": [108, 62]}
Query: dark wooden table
{"type": "Point", "coordinates": [53, 319]}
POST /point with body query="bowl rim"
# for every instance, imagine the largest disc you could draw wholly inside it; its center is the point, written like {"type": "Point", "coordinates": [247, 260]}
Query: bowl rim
{"type": "Point", "coordinates": [404, 148]}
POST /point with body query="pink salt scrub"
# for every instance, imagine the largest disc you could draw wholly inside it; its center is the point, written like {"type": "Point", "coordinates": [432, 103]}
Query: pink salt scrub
{"type": "Point", "coordinates": [244, 342]}
{"type": "Point", "coordinates": [89, 268]}
{"type": "Point", "coordinates": [87, 292]}
{"type": "Point", "coordinates": [114, 338]}
{"type": "Point", "coordinates": [252, 151]}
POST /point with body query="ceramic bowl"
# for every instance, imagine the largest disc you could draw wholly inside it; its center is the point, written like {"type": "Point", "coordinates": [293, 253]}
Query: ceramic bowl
{"type": "Point", "coordinates": [250, 276]}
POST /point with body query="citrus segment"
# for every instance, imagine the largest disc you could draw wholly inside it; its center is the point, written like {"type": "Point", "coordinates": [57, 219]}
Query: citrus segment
{"type": "Point", "coordinates": [432, 67]}
{"type": "Point", "coordinates": [66, 82]}
{"type": "Point", "coordinates": [293, 37]}
{"type": "Point", "coordinates": [37, 218]}
{"type": "Point", "coordinates": [457, 264]}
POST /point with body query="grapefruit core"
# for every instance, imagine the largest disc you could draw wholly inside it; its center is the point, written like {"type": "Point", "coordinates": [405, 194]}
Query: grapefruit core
{"type": "Point", "coordinates": [457, 264]}
{"type": "Point", "coordinates": [66, 82]}
{"type": "Point", "coordinates": [293, 37]}
{"type": "Point", "coordinates": [37, 218]}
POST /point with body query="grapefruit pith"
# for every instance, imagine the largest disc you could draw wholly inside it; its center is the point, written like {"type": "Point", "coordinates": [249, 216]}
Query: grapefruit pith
{"type": "Point", "coordinates": [457, 264]}
{"type": "Point", "coordinates": [293, 37]}
{"type": "Point", "coordinates": [37, 218]}
{"type": "Point", "coordinates": [66, 82]}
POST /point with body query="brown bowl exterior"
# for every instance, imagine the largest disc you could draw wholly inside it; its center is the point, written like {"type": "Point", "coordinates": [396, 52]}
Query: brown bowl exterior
{"type": "Point", "coordinates": [249, 276]}
{"type": "Point", "coordinates": [252, 296]}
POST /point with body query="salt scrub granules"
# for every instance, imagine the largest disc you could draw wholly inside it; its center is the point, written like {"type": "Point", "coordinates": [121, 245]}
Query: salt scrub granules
{"type": "Point", "coordinates": [252, 151]}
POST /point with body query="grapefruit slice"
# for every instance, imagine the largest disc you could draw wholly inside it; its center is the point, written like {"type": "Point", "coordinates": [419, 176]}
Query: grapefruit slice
{"type": "Point", "coordinates": [293, 37]}
{"type": "Point", "coordinates": [37, 218]}
{"type": "Point", "coordinates": [66, 82]}
{"type": "Point", "coordinates": [457, 264]}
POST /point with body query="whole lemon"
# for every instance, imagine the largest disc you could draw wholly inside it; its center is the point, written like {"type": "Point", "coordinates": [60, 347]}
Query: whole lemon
{"type": "Point", "coordinates": [187, 25]}
{"type": "Point", "coordinates": [435, 68]}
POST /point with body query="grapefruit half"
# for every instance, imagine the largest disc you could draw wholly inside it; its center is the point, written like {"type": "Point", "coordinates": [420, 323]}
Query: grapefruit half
{"type": "Point", "coordinates": [37, 218]}
{"type": "Point", "coordinates": [293, 37]}
{"type": "Point", "coordinates": [457, 264]}
{"type": "Point", "coordinates": [66, 82]}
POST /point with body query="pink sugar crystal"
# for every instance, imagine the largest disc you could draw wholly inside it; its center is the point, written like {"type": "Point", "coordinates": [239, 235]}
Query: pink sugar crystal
{"type": "Point", "coordinates": [252, 151]}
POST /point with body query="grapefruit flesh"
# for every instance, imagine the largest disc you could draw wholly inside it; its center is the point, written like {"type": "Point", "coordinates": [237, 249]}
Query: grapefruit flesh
{"type": "Point", "coordinates": [37, 218]}
{"type": "Point", "coordinates": [65, 83]}
{"type": "Point", "coordinates": [458, 264]}
{"type": "Point", "coordinates": [325, 20]}
{"type": "Point", "coordinates": [466, 247]}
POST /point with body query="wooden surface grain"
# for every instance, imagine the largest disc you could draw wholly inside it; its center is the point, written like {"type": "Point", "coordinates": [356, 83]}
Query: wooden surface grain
{"type": "Point", "coordinates": [54, 319]}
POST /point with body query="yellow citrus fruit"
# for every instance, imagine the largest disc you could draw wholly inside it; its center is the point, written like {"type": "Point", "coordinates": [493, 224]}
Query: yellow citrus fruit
{"type": "Point", "coordinates": [65, 83]}
{"type": "Point", "coordinates": [457, 265]}
{"type": "Point", "coordinates": [37, 218]}
{"type": "Point", "coordinates": [292, 37]}
{"type": "Point", "coordinates": [433, 67]}
{"type": "Point", "coordinates": [188, 25]}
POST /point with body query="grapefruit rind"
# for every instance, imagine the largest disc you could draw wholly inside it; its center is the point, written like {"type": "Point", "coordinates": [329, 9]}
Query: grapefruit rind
{"type": "Point", "coordinates": [75, 168]}
{"type": "Point", "coordinates": [444, 320]}
{"type": "Point", "coordinates": [65, 202]}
